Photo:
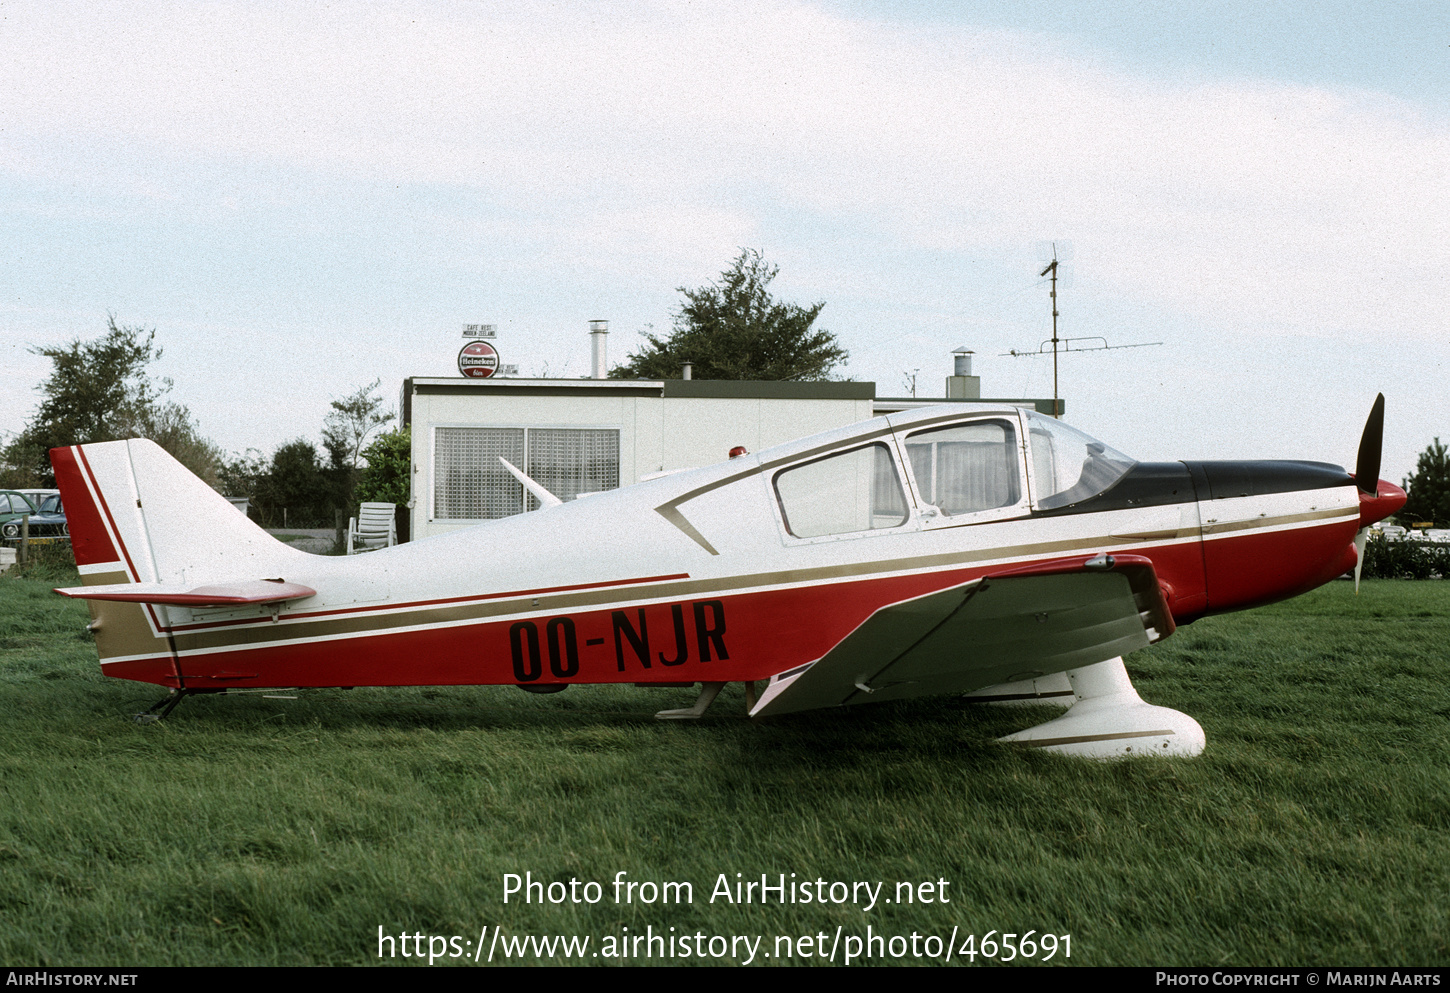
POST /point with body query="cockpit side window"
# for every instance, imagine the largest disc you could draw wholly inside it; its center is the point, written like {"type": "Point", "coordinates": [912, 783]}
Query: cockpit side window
{"type": "Point", "coordinates": [853, 491]}
{"type": "Point", "coordinates": [966, 468]}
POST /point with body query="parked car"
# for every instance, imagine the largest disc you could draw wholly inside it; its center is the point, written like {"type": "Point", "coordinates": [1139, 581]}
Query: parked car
{"type": "Point", "coordinates": [43, 527]}
{"type": "Point", "coordinates": [53, 505]}
{"type": "Point", "coordinates": [35, 496]}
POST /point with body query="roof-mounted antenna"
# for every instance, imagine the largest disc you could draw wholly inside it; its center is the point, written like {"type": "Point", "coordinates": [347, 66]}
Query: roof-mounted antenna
{"type": "Point", "coordinates": [1051, 270]}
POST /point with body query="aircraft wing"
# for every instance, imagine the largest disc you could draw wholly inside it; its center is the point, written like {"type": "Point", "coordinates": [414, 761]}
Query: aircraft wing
{"type": "Point", "coordinates": [1016, 624]}
{"type": "Point", "coordinates": [186, 595]}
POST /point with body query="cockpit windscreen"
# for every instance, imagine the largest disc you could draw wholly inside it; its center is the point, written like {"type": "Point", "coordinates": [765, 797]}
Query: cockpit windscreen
{"type": "Point", "coordinates": [1069, 466]}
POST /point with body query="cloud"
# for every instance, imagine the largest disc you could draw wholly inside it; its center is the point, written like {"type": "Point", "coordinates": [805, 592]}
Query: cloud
{"type": "Point", "coordinates": [676, 131]}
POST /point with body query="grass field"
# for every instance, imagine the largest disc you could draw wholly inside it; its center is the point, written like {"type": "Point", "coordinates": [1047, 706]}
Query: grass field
{"type": "Point", "coordinates": [244, 830]}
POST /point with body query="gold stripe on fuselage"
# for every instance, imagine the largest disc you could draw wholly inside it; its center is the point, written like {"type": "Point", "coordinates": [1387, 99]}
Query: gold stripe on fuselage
{"type": "Point", "coordinates": [1222, 527]}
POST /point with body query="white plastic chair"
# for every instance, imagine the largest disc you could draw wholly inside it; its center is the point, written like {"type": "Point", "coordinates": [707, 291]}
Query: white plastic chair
{"type": "Point", "coordinates": [375, 527]}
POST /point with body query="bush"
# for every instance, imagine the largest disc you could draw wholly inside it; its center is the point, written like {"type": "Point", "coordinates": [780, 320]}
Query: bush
{"type": "Point", "coordinates": [53, 562]}
{"type": "Point", "coordinates": [296, 491]}
{"type": "Point", "coordinates": [1405, 559]}
{"type": "Point", "coordinates": [388, 476]}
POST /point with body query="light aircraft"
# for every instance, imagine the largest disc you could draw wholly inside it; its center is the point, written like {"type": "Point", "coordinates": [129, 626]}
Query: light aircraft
{"type": "Point", "coordinates": [970, 549]}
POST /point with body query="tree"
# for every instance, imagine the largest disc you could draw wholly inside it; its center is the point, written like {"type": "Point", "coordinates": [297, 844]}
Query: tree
{"type": "Point", "coordinates": [344, 431]}
{"type": "Point", "coordinates": [295, 485]}
{"type": "Point", "coordinates": [294, 491]}
{"type": "Point", "coordinates": [734, 329]}
{"type": "Point", "coordinates": [1428, 488]}
{"type": "Point", "coordinates": [170, 426]}
{"type": "Point", "coordinates": [353, 418]}
{"type": "Point", "coordinates": [389, 469]}
{"type": "Point", "coordinates": [242, 475]}
{"type": "Point", "coordinates": [22, 463]}
{"type": "Point", "coordinates": [99, 390]}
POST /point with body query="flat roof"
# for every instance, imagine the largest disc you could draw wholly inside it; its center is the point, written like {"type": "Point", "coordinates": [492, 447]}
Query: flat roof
{"type": "Point", "coordinates": [727, 388]}
{"type": "Point", "coordinates": [887, 405]}
{"type": "Point", "coordinates": [732, 389]}
{"type": "Point", "coordinates": [754, 389]}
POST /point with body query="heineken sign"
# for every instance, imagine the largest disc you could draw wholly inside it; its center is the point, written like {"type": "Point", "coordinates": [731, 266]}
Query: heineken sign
{"type": "Point", "coordinates": [478, 360]}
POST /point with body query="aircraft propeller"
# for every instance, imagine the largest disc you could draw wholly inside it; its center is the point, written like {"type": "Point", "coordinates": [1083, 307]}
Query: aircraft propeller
{"type": "Point", "coordinates": [1371, 443]}
{"type": "Point", "coordinates": [1367, 472]}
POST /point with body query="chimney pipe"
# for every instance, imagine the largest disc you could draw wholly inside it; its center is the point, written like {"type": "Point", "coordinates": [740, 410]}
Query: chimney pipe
{"type": "Point", "coordinates": [598, 332]}
{"type": "Point", "coordinates": [961, 384]}
{"type": "Point", "coordinates": [688, 371]}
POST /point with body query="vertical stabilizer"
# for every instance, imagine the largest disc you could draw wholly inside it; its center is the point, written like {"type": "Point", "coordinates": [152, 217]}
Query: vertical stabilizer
{"type": "Point", "coordinates": [136, 515]}
{"type": "Point", "coordinates": [134, 509]}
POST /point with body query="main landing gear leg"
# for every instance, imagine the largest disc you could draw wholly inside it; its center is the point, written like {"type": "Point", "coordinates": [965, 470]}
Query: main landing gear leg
{"type": "Point", "coordinates": [166, 705]}
{"type": "Point", "coordinates": [1109, 720]}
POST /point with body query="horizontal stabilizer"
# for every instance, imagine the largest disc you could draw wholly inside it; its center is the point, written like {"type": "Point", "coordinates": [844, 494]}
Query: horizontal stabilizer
{"type": "Point", "coordinates": [186, 595]}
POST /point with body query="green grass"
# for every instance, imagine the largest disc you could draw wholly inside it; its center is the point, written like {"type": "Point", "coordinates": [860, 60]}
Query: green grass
{"type": "Point", "coordinates": [251, 830]}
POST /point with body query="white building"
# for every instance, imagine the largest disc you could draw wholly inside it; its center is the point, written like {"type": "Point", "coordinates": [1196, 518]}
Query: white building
{"type": "Point", "coordinates": [578, 436]}
{"type": "Point", "coordinates": [585, 435]}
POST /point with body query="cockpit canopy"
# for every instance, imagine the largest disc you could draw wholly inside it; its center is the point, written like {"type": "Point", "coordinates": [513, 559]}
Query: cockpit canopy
{"type": "Point", "coordinates": [959, 469]}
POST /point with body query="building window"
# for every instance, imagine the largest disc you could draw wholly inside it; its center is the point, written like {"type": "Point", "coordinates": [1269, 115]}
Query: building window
{"type": "Point", "coordinates": [570, 461]}
{"type": "Point", "coordinates": [469, 483]}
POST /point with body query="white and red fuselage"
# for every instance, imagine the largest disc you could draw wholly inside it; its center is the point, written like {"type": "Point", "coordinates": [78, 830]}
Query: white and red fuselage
{"type": "Point", "coordinates": [735, 572]}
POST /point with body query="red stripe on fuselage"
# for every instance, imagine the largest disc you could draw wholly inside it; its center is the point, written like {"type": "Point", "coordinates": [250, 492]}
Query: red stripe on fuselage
{"type": "Point", "coordinates": [160, 670]}
{"type": "Point", "coordinates": [1258, 568]}
{"type": "Point", "coordinates": [760, 633]}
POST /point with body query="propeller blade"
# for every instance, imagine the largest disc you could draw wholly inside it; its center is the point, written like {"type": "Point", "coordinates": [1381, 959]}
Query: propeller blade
{"type": "Point", "coordinates": [1359, 541]}
{"type": "Point", "coordinates": [1367, 467]}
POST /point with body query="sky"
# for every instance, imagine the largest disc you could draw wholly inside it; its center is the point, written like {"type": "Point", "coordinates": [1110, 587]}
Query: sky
{"type": "Point", "coordinates": [302, 198]}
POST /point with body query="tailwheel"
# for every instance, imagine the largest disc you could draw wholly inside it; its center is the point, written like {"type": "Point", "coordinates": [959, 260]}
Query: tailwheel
{"type": "Point", "coordinates": [165, 706]}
